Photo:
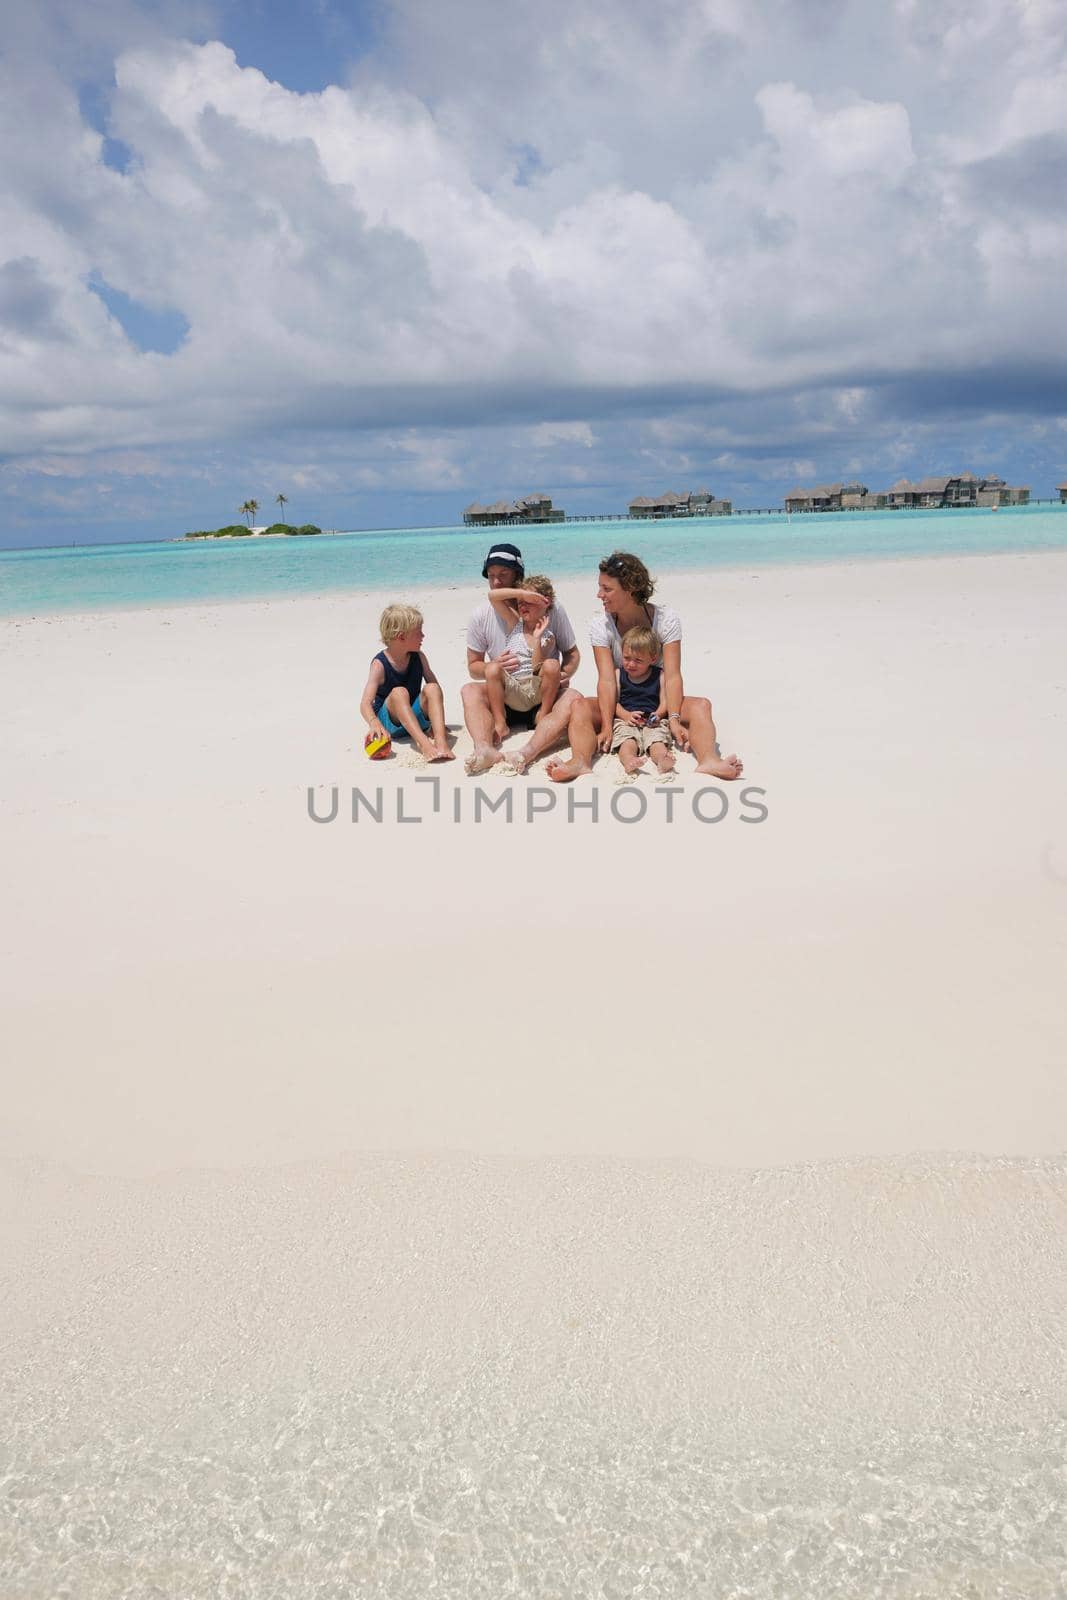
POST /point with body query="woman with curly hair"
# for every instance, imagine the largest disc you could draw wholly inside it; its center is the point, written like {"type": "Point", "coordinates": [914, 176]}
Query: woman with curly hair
{"type": "Point", "coordinates": [625, 592]}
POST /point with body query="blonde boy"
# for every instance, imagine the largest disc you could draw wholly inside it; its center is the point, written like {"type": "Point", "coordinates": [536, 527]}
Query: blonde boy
{"type": "Point", "coordinates": [639, 731]}
{"type": "Point", "coordinates": [400, 680]}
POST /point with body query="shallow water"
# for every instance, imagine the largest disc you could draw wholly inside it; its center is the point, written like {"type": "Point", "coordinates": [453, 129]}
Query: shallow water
{"type": "Point", "coordinates": [461, 1376]}
{"type": "Point", "coordinates": [99, 577]}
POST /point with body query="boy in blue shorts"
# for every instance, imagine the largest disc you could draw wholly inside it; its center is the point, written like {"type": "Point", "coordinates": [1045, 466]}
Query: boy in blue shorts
{"type": "Point", "coordinates": [402, 697]}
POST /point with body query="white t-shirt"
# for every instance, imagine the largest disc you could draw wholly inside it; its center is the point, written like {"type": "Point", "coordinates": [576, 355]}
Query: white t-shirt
{"type": "Point", "coordinates": [666, 625]}
{"type": "Point", "coordinates": [491, 637]}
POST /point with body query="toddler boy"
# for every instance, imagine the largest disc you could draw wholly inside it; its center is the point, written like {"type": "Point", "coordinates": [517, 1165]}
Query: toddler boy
{"type": "Point", "coordinates": [639, 731]}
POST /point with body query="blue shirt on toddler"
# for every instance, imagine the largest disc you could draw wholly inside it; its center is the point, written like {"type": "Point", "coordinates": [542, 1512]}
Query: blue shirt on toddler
{"type": "Point", "coordinates": [643, 696]}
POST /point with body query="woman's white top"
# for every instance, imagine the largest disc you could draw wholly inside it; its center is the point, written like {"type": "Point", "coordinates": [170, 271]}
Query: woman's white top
{"type": "Point", "coordinates": [666, 625]}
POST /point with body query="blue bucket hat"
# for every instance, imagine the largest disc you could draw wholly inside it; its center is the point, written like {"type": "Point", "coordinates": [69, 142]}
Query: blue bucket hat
{"type": "Point", "coordinates": [506, 555]}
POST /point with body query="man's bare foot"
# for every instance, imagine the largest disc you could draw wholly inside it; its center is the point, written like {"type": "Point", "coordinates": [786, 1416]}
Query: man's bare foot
{"type": "Point", "coordinates": [481, 758]}
{"type": "Point", "coordinates": [518, 761]}
{"type": "Point", "coordinates": [500, 730]}
{"type": "Point", "coordinates": [567, 771]}
{"type": "Point", "coordinates": [722, 766]}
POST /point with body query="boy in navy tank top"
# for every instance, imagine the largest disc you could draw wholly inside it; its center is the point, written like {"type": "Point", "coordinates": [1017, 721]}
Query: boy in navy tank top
{"type": "Point", "coordinates": [639, 730]}
{"type": "Point", "coordinates": [402, 697]}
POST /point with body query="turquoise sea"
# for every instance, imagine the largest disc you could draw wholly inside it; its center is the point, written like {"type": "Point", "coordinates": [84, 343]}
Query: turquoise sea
{"type": "Point", "coordinates": [132, 576]}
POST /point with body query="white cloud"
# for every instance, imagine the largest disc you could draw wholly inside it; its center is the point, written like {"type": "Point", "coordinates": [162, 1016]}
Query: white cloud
{"type": "Point", "coordinates": [862, 137]}
{"type": "Point", "coordinates": [547, 434]}
{"type": "Point", "coordinates": [560, 218]}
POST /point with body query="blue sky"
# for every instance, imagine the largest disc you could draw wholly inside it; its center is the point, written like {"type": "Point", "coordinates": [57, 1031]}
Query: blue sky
{"type": "Point", "coordinates": [389, 259]}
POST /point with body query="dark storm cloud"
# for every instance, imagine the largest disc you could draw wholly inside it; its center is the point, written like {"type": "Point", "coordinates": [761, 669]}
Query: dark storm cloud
{"type": "Point", "coordinates": [1032, 389]}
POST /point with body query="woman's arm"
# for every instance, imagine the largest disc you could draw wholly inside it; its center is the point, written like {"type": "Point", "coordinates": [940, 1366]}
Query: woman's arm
{"type": "Point", "coordinates": [607, 692]}
{"type": "Point", "coordinates": [672, 692]}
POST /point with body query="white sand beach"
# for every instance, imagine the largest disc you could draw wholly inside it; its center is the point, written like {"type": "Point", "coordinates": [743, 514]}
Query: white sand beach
{"type": "Point", "coordinates": [197, 974]}
{"type": "Point", "coordinates": [548, 1206]}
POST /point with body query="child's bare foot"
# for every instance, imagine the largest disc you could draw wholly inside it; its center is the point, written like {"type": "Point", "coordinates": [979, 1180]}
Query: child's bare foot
{"type": "Point", "coordinates": [632, 764]}
{"type": "Point", "coordinates": [481, 758]}
{"type": "Point", "coordinates": [663, 758]}
{"type": "Point", "coordinates": [500, 730]}
{"type": "Point", "coordinates": [722, 766]}
{"type": "Point", "coordinates": [442, 752]}
{"type": "Point", "coordinates": [567, 771]}
{"type": "Point", "coordinates": [426, 748]}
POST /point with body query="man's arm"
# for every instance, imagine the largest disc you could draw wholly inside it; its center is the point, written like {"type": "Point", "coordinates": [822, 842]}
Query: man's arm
{"type": "Point", "coordinates": [568, 662]}
{"type": "Point", "coordinates": [428, 674]}
{"type": "Point", "coordinates": [476, 664]}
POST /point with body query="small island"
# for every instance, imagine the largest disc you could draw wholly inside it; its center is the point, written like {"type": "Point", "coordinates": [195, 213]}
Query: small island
{"type": "Point", "coordinates": [248, 508]}
{"type": "Point", "coordinates": [236, 530]}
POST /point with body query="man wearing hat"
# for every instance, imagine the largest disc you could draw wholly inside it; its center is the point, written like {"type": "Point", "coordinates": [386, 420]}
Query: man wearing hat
{"type": "Point", "coordinates": [487, 640]}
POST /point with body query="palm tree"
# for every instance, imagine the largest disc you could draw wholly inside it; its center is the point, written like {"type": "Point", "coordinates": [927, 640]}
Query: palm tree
{"type": "Point", "coordinates": [250, 507]}
{"type": "Point", "coordinates": [283, 501]}
{"type": "Point", "coordinates": [246, 511]}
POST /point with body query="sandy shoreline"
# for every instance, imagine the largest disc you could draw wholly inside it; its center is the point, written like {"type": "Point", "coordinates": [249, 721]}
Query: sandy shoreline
{"type": "Point", "coordinates": [577, 1207]}
{"type": "Point", "coordinates": [847, 978]}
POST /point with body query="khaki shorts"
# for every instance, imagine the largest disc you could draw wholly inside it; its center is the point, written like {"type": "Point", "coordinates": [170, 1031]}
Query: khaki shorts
{"type": "Point", "coordinates": [522, 694]}
{"type": "Point", "coordinates": [645, 737]}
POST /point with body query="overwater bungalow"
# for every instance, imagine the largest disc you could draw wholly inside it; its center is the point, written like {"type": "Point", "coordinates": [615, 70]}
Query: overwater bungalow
{"type": "Point", "coordinates": [929, 494]}
{"type": "Point", "coordinates": [995, 492]}
{"type": "Point", "coordinates": [857, 497]}
{"type": "Point", "coordinates": [963, 491]}
{"type": "Point", "coordinates": [1061, 490]}
{"type": "Point", "coordinates": [824, 497]}
{"type": "Point", "coordinates": [531, 508]}
{"type": "Point", "coordinates": [694, 503]}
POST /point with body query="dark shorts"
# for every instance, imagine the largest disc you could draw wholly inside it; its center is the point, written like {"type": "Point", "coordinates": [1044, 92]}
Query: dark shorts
{"type": "Point", "coordinates": [520, 719]}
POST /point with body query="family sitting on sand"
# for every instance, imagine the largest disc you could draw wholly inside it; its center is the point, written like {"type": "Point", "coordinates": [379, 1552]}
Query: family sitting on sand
{"type": "Point", "coordinates": [522, 657]}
